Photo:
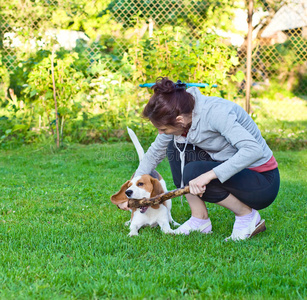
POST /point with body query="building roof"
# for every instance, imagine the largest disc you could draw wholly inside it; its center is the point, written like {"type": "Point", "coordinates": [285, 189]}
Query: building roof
{"type": "Point", "coordinates": [290, 16]}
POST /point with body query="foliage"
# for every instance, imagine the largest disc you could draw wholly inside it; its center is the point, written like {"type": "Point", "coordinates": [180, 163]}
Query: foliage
{"type": "Point", "coordinates": [289, 71]}
{"type": "Point", "coordinates": [20, 76]}
{"type": "Point", "coordinates": [69, 83]}
{"type": "Point", "coordinates": [170, 54]}
{"type": "Point", "coordinates": [209, 13]}
{"type": "Point", "coordinates": [4, 82]}
{"type": "Point", "coordinates": [96, 104]}
{"type": "Point", "coordinates": [97, 81]}
{"type": "Point", "coordinates": [108, 106]}
{"type": "Point", "coordinates": [30, 22]}
{"type": "Point", "coordinates": [61, 238]}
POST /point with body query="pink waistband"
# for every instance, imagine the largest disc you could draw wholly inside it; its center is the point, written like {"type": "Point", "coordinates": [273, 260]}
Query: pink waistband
{"type": "Point", "coordinates": [268, 166]}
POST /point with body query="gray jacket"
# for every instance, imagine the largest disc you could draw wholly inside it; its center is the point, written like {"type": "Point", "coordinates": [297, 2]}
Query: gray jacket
{"type": "Point", "coordinates": [224, 130]}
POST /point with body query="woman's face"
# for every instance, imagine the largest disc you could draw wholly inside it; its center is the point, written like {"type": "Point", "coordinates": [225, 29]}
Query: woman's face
{"type": "Point", "coordinates": [184, 123]}
{"type": "Point", "coordinates": [167, 129]}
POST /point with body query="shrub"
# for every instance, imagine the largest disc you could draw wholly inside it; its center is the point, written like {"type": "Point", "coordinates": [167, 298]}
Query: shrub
{"type": "Point", "coordinates": [170, 53]}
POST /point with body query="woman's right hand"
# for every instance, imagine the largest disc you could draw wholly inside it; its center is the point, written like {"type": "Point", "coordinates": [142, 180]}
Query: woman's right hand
{"type": "Point", "coordinates": [198, 185]}
{"type": "Point", "coordinates": [123, 206]}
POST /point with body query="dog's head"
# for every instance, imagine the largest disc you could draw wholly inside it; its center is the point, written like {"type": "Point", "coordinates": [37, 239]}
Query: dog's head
{"type": "Point", "coordinates": [139, 187]}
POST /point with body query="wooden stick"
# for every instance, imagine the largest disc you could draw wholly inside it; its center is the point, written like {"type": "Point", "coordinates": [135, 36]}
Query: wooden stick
{"type": "Point", "coordinates": [135, 203]}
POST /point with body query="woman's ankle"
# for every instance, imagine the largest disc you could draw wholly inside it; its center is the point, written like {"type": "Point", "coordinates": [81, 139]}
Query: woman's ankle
{"type": "Point", "coordinates": [244, 212]}
{"type": "Point", "coordinates": [199, 220]}
{"type": "Point", "coordinates": [200, 216]}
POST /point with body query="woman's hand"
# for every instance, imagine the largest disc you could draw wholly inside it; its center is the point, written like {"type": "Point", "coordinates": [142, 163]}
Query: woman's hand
{"type": "Point", "coordinates": [123, 206]}
{"type": "Point", "coordinates": [198, 185]}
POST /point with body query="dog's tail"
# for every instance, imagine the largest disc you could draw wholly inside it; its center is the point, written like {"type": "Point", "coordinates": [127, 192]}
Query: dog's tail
{"type": "Point", "coordinates": [136, 143]}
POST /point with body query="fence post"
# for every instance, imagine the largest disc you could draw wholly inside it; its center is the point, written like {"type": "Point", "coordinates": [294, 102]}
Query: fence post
{"type": "Point", "coordinates": [249, 55]}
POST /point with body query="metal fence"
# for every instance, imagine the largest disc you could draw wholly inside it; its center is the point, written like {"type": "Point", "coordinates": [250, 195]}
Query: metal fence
{"type": "Point", "coordinates": [279, 47]}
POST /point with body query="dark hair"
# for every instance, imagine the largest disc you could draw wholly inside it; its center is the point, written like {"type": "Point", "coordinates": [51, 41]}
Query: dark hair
{"type": "Point", "coordinates": [168, 102]}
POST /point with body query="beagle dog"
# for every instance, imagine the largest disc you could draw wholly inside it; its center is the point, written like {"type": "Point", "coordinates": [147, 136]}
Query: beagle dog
{"type": "Point", "coordinates": [145, 186]}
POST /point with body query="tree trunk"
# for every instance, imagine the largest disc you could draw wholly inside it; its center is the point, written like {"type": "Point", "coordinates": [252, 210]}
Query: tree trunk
{"type": "Point", "coordinates": [55, 101]}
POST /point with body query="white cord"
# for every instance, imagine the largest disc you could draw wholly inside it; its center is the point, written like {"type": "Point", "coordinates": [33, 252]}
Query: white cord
{"type": "Point", "coordinates": [182, 157]}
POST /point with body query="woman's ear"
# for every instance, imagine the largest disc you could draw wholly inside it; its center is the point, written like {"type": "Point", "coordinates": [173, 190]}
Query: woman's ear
{"type": "Point", "coordinates": [120, 196]}
{"type": "Point", "coordinates": [180, 120]}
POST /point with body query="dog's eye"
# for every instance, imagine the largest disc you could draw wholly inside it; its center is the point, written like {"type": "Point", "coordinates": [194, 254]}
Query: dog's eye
{"type": "Point", "coordinates": [140, 184]}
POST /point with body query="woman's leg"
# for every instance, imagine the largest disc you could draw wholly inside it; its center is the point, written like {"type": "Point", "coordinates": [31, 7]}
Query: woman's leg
{"type": "Point", "coordinates": [247, 220]}
{"type": "Point", "coordinates": [255, 190]}
{"type": "Point", "coordinates": [235, 205]}
{"type": "Point", "coordinates": [239, 194]}
{"type": "Point", "coordinates": [199, 220]}
{"type": "Point", "coordinates": [198, 207]}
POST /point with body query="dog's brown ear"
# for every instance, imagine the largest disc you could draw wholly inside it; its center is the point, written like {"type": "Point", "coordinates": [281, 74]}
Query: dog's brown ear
{"type": "Point", "coordinates": [120, 196]}
{"type": "Point", "coordinates": [157, 187]}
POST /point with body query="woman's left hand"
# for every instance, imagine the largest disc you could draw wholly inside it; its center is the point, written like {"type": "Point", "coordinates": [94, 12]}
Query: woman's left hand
{"type": "Point", "coordinates": [198, 185]}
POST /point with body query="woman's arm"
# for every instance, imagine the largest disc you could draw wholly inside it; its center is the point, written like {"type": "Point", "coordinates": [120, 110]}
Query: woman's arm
{"type": "Point", "coordinates": [249, 149]}
{"type": "Point", "coordinates": [154, 155]}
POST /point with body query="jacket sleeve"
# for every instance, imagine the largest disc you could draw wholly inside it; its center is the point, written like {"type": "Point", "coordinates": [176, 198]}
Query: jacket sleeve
{"type": "Point", "coordinates": [249, 150]}
{"type": "Point", "coordinates": [154, 155]}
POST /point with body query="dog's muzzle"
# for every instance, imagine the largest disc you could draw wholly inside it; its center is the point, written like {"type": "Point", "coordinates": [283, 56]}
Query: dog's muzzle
{"type": "Point", "coordinates": [129, 193]}
{"type": "Point", "coordinates": [143, 209]}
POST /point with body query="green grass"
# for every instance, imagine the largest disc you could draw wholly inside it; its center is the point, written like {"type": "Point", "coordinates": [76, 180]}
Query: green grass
{"type": "Point", "coordinates": [281, 119]}
{"type": "Point", "coordinates": [61, 238]}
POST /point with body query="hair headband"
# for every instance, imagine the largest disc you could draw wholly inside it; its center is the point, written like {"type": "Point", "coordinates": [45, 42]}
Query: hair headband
{"type": "Point", "coordinates": [180, 85]}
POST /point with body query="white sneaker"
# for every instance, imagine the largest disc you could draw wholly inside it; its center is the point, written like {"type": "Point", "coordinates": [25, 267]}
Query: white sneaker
{"type": "Point", "coordinates": [188, 227]}
{"type": "Point", "coordinates": [250, 230]}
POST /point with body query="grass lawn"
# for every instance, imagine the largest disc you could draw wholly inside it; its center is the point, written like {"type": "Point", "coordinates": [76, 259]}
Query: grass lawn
{"type": "Point", "coordinates": [61, 238]}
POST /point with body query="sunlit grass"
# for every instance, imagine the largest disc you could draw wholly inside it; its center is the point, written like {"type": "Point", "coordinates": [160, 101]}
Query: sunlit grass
{"type": "Point", "coordinates": [282, 120]}
{"type": "Point", "coordinates": [61, 238]}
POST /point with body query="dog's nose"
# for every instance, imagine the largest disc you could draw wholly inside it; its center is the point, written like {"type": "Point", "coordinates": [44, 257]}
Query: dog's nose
{"type": "Point", "coordinates": [129, 193]}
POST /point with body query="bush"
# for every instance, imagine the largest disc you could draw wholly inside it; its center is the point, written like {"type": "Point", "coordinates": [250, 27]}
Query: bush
{"type": "Point", "coordinates": [287, 69]}
{"type": "Point", "coordinates": [170, 53]}
{"type": "Point", "coordinates": [95, 104]}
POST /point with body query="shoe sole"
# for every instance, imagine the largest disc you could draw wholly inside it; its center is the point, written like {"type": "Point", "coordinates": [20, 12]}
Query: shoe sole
{"type": "Point", "coordinates": [260, 228]}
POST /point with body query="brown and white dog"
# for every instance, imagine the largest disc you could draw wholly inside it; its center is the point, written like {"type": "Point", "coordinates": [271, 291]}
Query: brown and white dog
{"type": "Point", "coordinates": [145, 186]}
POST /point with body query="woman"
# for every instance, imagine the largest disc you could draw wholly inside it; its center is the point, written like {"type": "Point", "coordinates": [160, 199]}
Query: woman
{"type": "Point", "coordinates": [215, 147]}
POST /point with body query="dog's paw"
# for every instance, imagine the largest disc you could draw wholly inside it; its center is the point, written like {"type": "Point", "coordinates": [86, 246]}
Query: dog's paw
{"type": "Point", "coordinates": [169, 231]}
{"type": "Point", "coordinates": [127, 223]}
{"type": "Point", "coordinates": [131, 233]}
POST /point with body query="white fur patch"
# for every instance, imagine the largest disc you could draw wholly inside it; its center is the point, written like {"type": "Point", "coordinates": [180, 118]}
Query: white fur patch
{"type": "Point", "coordinates": [137, 192]}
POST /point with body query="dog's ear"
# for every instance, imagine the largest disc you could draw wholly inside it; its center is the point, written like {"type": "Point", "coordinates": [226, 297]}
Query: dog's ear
{"type": "Point", "coordinates": [120, 196]}
{"type": "Point", "coordinates": [157, 187]}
